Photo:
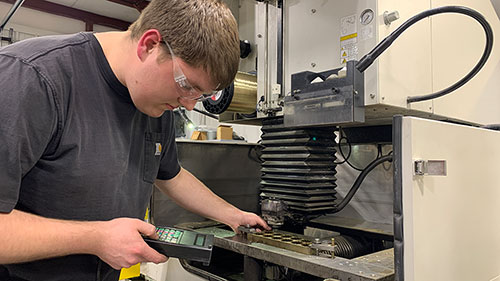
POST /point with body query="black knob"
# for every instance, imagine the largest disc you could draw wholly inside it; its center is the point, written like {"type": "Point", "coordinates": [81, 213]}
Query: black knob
{"type": "Point", "coordinates": [245, 48]}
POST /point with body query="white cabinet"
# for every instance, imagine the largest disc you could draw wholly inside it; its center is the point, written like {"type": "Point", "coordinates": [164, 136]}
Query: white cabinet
{"type": "Point", "coordinates": [447, 227]}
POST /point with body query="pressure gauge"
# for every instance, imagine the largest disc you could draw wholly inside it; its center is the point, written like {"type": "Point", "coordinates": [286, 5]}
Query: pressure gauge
{"type": "Point", "coordinates": [366, 17]}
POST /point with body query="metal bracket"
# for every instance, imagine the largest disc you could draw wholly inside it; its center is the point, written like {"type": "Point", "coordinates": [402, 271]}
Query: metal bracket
{"type": "Point", "coordinates": [429, 167]}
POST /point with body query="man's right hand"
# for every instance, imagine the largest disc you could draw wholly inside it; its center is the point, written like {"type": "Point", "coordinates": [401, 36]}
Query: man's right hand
{"type": "Point", "coordinates": [121, 245]}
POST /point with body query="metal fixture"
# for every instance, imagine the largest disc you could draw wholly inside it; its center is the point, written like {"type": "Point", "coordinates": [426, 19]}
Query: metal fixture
{"type": "Point", "coordinates": [430, 167]}
{"type": "Point", "coordinates": [389, 17]}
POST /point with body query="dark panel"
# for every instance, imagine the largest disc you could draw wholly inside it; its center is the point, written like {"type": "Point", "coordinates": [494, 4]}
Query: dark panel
{"type": "Point", "coordinates": [398, 199]}
{"type": "Point", "coordinates": [229, 170]}
{"type": "Point", "coordinates": [371, 134]}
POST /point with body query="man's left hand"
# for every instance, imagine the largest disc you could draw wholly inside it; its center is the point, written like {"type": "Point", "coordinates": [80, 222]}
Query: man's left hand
{"type": "Point", "coordinates": [249, 220]}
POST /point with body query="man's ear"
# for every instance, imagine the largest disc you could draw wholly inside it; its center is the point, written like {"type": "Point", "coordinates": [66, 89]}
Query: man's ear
{"type": "Point", "coordinates": [149, 40]}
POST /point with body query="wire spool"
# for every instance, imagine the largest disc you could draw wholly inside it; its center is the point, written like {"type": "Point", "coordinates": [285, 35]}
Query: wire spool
{"type": "Point", "coordinates": [240, 96]}
{"type": "Point", "coordinates": [348, 247]}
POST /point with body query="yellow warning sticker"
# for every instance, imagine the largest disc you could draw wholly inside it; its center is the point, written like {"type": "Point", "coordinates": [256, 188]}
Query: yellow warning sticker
{"type": "Point", "coordinates": [350, 36]}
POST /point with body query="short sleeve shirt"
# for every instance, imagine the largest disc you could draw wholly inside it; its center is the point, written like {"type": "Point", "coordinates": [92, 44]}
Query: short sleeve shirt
{"type": "Point", "coordinates": [73, 145]}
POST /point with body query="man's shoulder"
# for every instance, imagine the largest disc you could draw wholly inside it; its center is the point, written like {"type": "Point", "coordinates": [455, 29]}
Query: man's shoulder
{"type": "Point", "coordinates": [33, 49]}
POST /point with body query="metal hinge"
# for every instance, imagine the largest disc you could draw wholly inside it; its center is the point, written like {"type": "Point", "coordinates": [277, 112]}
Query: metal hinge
{"type": "Point", "coordinates": [429, 167]}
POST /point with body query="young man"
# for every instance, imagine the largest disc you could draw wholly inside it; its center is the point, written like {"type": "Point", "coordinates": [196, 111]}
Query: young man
{"type": "Point", "coordinates": [86, 129]}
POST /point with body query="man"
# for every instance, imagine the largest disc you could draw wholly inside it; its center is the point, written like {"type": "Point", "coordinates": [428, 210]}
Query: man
{"type": "Point", "coordinates": [86, 129]}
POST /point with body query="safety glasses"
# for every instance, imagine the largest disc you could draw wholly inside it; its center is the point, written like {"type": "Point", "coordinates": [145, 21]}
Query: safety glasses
{"type": "Point", "coordinates": [187, 90]}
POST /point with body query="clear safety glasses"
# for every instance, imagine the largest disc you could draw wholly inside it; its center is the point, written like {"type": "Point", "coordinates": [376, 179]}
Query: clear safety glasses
{"type": "Point", "coordinates": [187, 90]}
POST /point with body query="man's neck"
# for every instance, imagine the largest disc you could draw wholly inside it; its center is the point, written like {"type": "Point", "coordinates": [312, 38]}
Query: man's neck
{"type": "Point", "coordinates": [117, 47]}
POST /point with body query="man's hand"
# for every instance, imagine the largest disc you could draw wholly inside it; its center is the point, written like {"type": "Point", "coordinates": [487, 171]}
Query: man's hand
{"type": "Point", "coordinates": [250, 220]}
{"type": "Point", "coordinates": [121, 245]}
{"type": "Point", "coordinates": [191, 194]}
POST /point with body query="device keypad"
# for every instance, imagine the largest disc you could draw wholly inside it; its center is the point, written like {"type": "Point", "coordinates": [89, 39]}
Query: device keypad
{"type": "Point", "coordinates": [169, 235]}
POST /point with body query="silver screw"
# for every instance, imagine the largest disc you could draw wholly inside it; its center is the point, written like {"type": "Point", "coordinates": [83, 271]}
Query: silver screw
{"type": "Point", "coordinates": [259, 35]}
{"type": "Point", "coordinates": [372, 96]}
{"type": "Point", "coordinates": [313, 64]}
{"type": "Point", "coordinates": [313, 11]}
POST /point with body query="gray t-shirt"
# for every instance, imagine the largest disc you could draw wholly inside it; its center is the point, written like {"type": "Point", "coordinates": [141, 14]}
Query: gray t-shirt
{"type": "Point", "coordinates": [73, 146]}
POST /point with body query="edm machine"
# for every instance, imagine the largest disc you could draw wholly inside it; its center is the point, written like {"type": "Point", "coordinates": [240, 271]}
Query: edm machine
{"type": "Point", "coordinates": [379, 151]}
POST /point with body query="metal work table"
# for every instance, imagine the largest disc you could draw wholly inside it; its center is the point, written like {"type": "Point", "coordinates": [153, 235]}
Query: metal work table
{"type": "Point", "coordinates": [376, 266]}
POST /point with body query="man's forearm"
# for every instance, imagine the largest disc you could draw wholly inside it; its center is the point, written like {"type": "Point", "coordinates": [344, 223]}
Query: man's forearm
{"type": "Point", "coordinates": [118, 242]}
{"type": "Point", "coordinates": [27, 237]}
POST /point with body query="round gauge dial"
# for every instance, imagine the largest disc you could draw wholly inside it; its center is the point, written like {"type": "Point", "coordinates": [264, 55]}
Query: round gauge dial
{"type": "Point", "coordinates": [366, 17]}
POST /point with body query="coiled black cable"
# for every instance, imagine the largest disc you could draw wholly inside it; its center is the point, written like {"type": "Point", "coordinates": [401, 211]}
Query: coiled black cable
{"type": "Point", "coordinates": [359, 180]}
{"type": "Point", "coordinates": [350, 247]}
{"type": "Point", "coordinates": [368, 59]}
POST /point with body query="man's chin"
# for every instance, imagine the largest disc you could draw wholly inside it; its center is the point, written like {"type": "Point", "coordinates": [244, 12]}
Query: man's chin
{"type": "Point", "coordinates": [157, 111]}
{"type": "Point", "coordinates": [154, 113]}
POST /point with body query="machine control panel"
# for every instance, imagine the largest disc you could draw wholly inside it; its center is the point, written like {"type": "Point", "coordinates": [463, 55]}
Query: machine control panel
{"type": "Point", "coordinates": [184, 244]}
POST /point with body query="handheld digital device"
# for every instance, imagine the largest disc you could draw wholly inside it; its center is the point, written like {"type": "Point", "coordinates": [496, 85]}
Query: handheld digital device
{"type": "Point", "coordinates": [184, 244]}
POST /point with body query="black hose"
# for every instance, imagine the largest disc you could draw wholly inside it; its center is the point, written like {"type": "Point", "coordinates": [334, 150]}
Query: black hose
{"type": "Point", "coordinates": [359, 180]}
{"type": "Point", "coordinates": [495, 127]}
{"type": "Point", "coordinates": [206, 114]}
{"type": "Point", "coordinates": [368, 59]}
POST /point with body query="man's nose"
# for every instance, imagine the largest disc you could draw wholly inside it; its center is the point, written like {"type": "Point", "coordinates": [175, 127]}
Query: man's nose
{"type": "Point", "coordinates": [187, 103]}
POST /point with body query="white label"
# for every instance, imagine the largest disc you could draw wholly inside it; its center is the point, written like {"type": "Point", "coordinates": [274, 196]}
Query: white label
{"type": "Point", "coordinates": [348, 50]}
{"type": "Point", "coordinates": [348, 39]}
{"type": "Point", "coordinates": [366, 33]}
{"type": "Point", "coordinates": [347, 25]}
{"type": "Point", "coordinates": [158, 149]}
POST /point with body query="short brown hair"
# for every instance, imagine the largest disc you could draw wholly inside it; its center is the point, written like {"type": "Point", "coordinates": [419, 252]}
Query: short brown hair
{"type": "Point", "coordinates": [203, 33]}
